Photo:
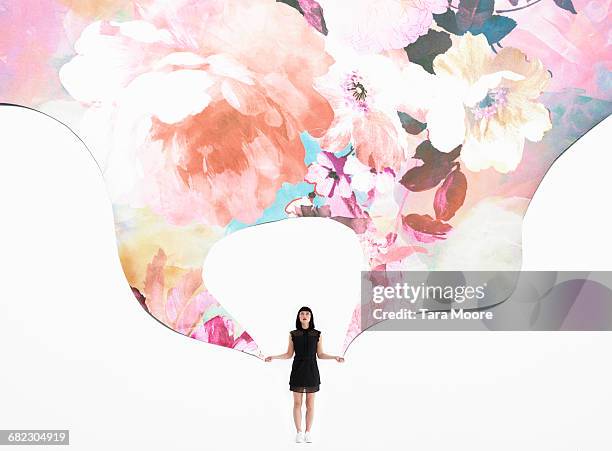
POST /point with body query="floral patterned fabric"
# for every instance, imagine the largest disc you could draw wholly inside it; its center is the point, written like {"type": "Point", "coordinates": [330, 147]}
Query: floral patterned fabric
{"type": "Point", "coordinates": [424, 126]}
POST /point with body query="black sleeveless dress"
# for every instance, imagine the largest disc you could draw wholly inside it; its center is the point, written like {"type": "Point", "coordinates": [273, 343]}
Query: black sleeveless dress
{"type": "Point", "coordinates": [304, 376]}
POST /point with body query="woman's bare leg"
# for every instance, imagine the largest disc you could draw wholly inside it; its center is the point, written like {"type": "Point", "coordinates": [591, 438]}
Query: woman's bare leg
{"type": "Point", "coordinates": [310, 397]}
{"type": "Point", "coordinates": [297, 410]}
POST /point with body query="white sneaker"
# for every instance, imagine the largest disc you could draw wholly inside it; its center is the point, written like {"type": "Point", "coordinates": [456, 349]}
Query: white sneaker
{"type": "Point", "coordinates": [307, 437]}
{"type": "Point", "coordinates": [299, 437]}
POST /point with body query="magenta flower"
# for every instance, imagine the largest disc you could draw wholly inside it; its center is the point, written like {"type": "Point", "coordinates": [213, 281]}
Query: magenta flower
{"type": "Point", "coordinates": [328, 175]}
{"type": "Point", "coordinates": [220, 331]}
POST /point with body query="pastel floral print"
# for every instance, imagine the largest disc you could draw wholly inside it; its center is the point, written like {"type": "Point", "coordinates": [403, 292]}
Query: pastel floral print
{"type": "Point", "coordinates": [328, 176]}
{"type": "Point", "coordinates": [422, 126]}
{"type": "Point", "coordinates": [371, 26]}
{"type": "Point", "coordinates": [176, 81]}
{"type": "Point", "coordinates": [365, 92]}
{"type": "Point", "coordinates": [575, 44]}
{"type": "Point", "coordinates": [182, 307]}
{"type": "Point", "coordinates": [488, 103]}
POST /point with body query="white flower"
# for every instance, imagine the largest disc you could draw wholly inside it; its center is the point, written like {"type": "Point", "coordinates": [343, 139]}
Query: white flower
{"type": "Point", "coordinates": [487, 102]}
{"type": "Point", "coordinates": [366, 92]}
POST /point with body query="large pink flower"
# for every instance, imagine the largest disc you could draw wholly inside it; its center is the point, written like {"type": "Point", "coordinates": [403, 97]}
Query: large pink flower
{"type": "Point", "coordinates": [207, 101]}
{"type": "Point", "coordinates": [375, 25]}
{"type": "Point", "coordinates": [575, 47]}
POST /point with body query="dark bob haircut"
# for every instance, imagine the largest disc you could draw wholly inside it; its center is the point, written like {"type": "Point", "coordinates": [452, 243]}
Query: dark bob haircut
{"type": "Point", "coordinates": [298, 324]}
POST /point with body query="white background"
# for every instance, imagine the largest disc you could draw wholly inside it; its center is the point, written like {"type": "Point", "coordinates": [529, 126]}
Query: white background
{"type": "Point", "coordinates": [78, 352]}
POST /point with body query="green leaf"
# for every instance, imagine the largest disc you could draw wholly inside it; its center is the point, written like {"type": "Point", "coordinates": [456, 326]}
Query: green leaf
{"type": "Point", "coordinates": [427, 47]}
{"type": "Point", "coordinates": [566, 5]}
{"type": "Point", "coordinates": [410, 124]}
{"type": "Point", "coordinates": [496, 28]}
{"type": "Point", "coordinates": [473, 13]}
{"type": "Point", "coordinates": [448, 21]}
{"type": "Point", "coordinates": [293, 3]}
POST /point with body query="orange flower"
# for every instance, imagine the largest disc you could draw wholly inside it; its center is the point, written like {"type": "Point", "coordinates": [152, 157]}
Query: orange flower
{"type": "Point", "coordinates": [208, 101]}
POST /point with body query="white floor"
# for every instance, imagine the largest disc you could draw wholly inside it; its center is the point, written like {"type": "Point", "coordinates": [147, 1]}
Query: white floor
{"type": "Point", "coordinates": [79, 353]}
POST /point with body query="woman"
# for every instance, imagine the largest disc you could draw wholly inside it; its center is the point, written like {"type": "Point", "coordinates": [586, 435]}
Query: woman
{"type": "Point", "coordinates": [307, 344]}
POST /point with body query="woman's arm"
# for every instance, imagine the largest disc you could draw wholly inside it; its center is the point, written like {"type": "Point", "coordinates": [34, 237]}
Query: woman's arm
{"type": "Point", "coordinates": [286, 355]}
{"type": "Point", "coordinates": [322, 355]}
